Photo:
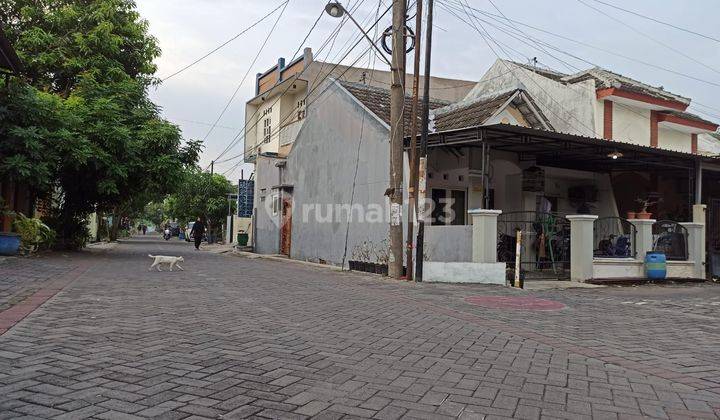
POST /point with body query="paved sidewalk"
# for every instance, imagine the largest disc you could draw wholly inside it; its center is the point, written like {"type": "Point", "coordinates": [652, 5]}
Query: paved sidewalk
{"type": "Point", "coordinates": [234, 337]}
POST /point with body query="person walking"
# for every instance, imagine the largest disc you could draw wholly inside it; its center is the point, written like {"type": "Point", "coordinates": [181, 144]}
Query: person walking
{"type": "Point", "coordinates": [197, 232]}
{"type": "Point", "coordinates": [144, 228]}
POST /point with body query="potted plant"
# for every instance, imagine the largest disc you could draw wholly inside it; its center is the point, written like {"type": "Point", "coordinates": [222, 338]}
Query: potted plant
{"type": "Point", "coordinates": [644, 204]}
{"type": "Point", "coordinates": [631, 215]}
{"type": "Point", "coordinates": [382, 256]}
{"type": "Point", "coordinates": [33, 233]}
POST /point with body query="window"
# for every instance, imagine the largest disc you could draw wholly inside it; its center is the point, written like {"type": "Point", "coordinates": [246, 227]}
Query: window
{"type": "Point", "coordinates": [267, 129]}
{"type": "Point", "coordinates": [275, 204]}
{"type": "Point", "coordinates": [301, 109]}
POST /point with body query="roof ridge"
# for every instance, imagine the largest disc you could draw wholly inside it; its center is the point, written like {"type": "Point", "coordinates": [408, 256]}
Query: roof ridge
{"type": "Point", "coordinates": [468, 102]}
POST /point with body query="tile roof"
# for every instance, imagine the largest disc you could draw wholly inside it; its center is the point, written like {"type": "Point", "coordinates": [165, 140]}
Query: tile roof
{"type": "Point", "coordinates": [477, 111]}
{"type": "Point", "coordinates": [469, 114]}
{"type": "Point", "coordinates": [377, 100]}
{"type": "Point", "coordinates": [607, 79]}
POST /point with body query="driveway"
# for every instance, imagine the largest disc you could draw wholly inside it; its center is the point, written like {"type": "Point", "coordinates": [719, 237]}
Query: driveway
{"type": "Point", "coordinates": [234, 337]}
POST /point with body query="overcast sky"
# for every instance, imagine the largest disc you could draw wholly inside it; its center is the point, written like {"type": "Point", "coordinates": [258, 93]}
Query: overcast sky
{"type": "Point", "coordinates": [188, 29]}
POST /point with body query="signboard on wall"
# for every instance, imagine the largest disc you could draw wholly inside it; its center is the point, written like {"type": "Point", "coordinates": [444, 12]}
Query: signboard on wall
{"type": "Point", "coordinates": [246, 197]}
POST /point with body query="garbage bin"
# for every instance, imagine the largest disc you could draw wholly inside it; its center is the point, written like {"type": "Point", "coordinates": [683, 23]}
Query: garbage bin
{"type": "Point", "coordinates": [242, 239]}
{"type": "Point", "coordinates": [655, 265]}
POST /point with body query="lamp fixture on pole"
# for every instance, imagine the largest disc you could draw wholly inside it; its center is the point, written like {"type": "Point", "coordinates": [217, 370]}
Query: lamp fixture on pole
{"type": "Point", "coordinates": [337, 10]}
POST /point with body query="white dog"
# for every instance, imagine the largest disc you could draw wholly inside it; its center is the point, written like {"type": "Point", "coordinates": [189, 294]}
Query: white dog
{"type": "Point", "coordinates": [164, 259]}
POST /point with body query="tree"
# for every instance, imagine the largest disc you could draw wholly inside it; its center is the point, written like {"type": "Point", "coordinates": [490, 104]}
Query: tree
{"type": "Point", "coordinates": [201, 194]}
{"type": "Point", "coordinates": [96, 58]}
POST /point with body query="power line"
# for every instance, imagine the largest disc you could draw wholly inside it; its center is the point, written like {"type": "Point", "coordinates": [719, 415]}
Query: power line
{"type": "Point", "coordinates": [214, 50]}
{"type": "Point", "coordinates": [485, 35]}
{"type": "Point", "coordinates": [585, 44]}
{"type": "Point", "coordinates": [241, 134]}
{"type": "Point", "coordinates": [632, 28]}
{"type": "Point", "coordinates": [658, 21]}
{"type": "Point", "coordinates": [242, 81]}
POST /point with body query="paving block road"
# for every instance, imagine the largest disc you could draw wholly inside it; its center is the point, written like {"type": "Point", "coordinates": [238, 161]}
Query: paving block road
{"type": "Point", "coordinates": [96, 335]}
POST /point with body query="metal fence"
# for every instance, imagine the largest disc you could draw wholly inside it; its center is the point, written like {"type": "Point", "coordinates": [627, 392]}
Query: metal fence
{"type": "Point", "coordinates": [545, 250]}
{"type": "Point", "coordinates": [670, 238]}
{"type": "Point", "coordinates": [614, 237]}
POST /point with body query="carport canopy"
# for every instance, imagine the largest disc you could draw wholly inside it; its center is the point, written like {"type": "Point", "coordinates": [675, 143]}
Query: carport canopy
{"type": "Point", "coordinates": [549, 148]}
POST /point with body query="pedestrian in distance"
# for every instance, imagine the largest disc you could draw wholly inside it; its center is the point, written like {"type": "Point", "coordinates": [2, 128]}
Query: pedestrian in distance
{"type": "Point", "coordinates": [139, 228]}
{"type": "Point", "coordinates": [197, 232]}
{"type": "Point", "coordinates": [144, 229]}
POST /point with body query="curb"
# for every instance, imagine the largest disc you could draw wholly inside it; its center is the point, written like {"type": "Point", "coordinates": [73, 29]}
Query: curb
{"type": "Point", "coordinates": [252, 255]}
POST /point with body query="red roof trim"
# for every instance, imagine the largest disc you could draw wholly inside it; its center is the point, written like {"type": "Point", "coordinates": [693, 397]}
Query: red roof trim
{"type": "Point", "coordinates": [687, 122]}
{"type": "Point", "coordinates": [602, 93]}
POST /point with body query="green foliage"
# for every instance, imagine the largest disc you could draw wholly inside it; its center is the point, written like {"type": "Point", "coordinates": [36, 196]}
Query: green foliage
{"type": "Point", "coordinates": [200, 194]}
{"type": "Point", "coordinates": [34, 234]}
{"type": "Point", "coordinates": [84, 129]}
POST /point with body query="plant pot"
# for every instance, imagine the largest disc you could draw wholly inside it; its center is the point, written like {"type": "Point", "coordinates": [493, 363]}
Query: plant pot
{"type": "Point", "coordinates": [631, 215]}
{"type": "Point", "coordinates": [379, 268]}
{"type": "Point", "coordinates": [643, 215]}
{"type": "Point", "coordinates": [9, 243]}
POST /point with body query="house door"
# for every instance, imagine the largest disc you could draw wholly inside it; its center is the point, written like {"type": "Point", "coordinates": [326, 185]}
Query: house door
{"type": "Point", "coordinates": [286, 227]}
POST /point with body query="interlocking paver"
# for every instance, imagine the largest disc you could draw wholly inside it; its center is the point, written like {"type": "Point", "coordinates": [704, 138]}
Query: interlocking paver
{"type": "Point", "coordinates": [235, 338]}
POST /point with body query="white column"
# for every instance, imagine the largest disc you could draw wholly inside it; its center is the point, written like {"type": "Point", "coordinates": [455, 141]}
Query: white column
{"type": "Point", "coordinates": [581, 246]}
{"type": "Point", "coordinates": [643, 238]}
{"type": "Point", "coordinates": [696, 245]}
{"type": "Point", "coordinates": [699, 217]}
{"type": "Point", "coordinates": [484, 235]}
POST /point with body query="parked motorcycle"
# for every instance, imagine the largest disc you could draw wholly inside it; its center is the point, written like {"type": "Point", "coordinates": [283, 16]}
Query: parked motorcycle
{"type": "Point", "coordinates": [166, 234]}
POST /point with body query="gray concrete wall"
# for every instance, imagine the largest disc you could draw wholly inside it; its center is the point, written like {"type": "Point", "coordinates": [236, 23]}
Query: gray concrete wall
{"type": "Point", "coordinates": [448, 243]}
{"type": "Point", "coordinates": [322, 165]}
{"type": "Point", "coordinates": [570, 108]}
{"type": "Point", "coordinates": [267, 227]}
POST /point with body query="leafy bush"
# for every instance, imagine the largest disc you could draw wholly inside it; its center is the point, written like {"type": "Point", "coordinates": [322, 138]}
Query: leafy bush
{"type": "Point", "coordinates": [34, 234]}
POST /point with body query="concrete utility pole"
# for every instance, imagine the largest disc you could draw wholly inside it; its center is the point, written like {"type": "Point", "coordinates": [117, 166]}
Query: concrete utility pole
{"type": "Point", "coordinates": [397, 104]}
{"type": "Point", "coordinates": [413, 181]}
{"type": "Point", "coordinates": [424, 141]}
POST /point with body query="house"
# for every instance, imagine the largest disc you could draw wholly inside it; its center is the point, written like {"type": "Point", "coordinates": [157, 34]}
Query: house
{"type": "Point", "coordinates": [278, 120]}
{"type": "Point", "coordinates": [535, 144]}
{"type": "Point", "coordinates": [16, 197]}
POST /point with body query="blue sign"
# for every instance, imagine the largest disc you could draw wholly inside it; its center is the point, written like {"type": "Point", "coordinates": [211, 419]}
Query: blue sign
{"type": "Point", "coordinates": [246, 197]}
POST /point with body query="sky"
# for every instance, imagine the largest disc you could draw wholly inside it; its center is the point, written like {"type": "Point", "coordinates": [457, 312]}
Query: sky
{"type": "Point", "coordinates": [195, 98]}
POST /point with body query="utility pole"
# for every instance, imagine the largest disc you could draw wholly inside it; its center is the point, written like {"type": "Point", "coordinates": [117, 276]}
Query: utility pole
{"type": "Point", "coordinates": [397, 104]}
{"type": "Point", "coordinates": [212, 167]}
{"type": "Point", "coordinates": [423, 140]}
{"type": "Point", "coordinates": [413, 182]}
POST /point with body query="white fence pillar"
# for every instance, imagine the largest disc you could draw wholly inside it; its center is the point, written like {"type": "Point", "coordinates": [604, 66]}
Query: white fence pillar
{"type": "Point", "coordinates": [581, 246]}
{"type": "Point", "coordinates": [699, 216]}
{"type": "Point", "coordinates": [696, 245]}
{"type": "Point", "coordinates": [484, 235]}
{"type": "Point", "coordinates": [644, 238]}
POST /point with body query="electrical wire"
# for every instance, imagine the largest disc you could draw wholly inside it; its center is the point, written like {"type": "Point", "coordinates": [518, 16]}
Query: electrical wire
{"type": "Point", "coordinates": [242, 81]}
{"type": "Point", "coordinates": [595, 47]}
{"type": "Point", "coordinates": [486, 37]}
{"type": "Point", "coordinates": [658, 21]}
{"type": "Point", "coordinates": [214, 50]}
{"type": "Point", "coordinates": [335, 66]}
{"type": "Point", "coordinates": [632, 28]}
{"type": "Point", "coordinates": [241, 133]}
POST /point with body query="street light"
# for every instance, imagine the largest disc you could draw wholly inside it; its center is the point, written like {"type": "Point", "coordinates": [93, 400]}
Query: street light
{"type": "Point", "coordinates": [336, 10]}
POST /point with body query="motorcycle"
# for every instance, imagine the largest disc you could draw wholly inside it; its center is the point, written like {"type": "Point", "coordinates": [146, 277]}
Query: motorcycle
{"type": "Point", "coordinates": [166, 234]}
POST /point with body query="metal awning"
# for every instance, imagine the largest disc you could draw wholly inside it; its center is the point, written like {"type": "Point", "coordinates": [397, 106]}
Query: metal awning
{"type": "Point", "coordinates": [549, 148]}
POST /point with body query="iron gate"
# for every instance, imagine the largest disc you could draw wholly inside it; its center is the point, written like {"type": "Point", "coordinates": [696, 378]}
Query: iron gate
{"type": "Point", "coordinates": [545, 244]}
